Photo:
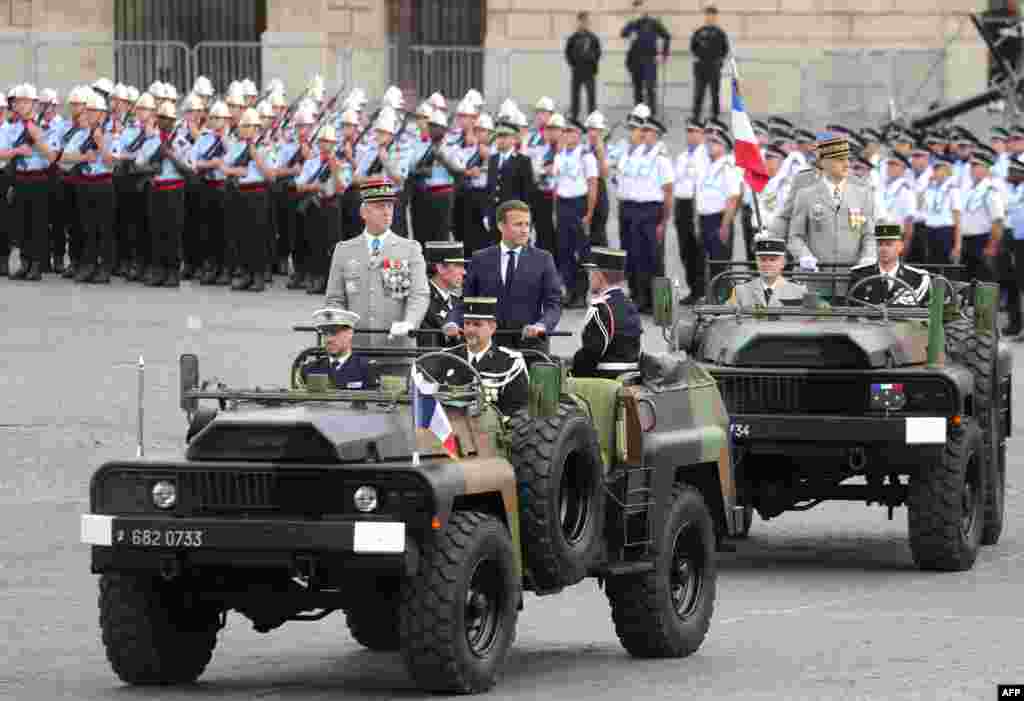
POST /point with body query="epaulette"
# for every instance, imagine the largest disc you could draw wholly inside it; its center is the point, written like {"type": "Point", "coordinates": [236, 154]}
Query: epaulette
{"type": "Point", "coordinates": [861, 265]}
{"type": "Point", "coordinates": [509, 351]}
{"type": "Point", "coordinates": [919, 271]}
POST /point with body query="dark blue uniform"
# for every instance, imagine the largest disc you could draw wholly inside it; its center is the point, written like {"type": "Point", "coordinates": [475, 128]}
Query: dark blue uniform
{"type": "Point", "coordinates": [354, 373]}
{"type": "Point", "coordinates": [611, 337]}
{"type": "Point", "coordinates": [640, 59]}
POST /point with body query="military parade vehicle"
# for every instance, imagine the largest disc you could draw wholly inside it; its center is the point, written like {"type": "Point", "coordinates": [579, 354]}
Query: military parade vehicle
{"type": "Point", "coordinates": [876, 403]}
{"type": "Point", "coordinates": [289, 504]}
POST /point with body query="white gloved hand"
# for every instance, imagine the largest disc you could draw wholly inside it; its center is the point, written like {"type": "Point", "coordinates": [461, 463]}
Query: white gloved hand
{"type": "Point", "coordinates": [809, 263]}
{"type": "Point", "coordinates": [399, 329]}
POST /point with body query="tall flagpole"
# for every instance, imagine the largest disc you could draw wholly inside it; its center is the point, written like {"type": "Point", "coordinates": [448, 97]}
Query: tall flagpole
{"type": "Point", "coordinates": [415, 416]}
{"type": "Point", "coordinates": [753, 192]}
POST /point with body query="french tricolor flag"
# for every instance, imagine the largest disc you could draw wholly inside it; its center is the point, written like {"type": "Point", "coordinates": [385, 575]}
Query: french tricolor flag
{"type": "Point", "coordinates": [746, 147]}
{"type": "Point", "coordinates": [430, 414]}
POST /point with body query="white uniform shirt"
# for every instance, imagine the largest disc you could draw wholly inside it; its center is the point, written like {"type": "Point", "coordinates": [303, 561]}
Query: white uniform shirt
{"type": "Point", "coordinates": [718, 181]}
{"type": "Point", "coordinates": [795, 162]}
{"type": "Point", "coordinates": [983, 205]}
{"type": "Point", "coordinates": [899, 202]}
{"type": "Point", "coordinates": [921, 181]}
{"type": "Point", "coordinates": [573, 171]}
{"type": "Point", "coordinates": [643, 172]}
{"type": "Point", "coordinates": [688, 163]}
{"type": "Point", "coordinates": [940, 201]}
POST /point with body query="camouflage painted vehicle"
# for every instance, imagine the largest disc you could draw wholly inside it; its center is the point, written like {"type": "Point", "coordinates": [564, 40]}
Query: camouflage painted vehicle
{"type": "Point", "coordinates": [290, 504]}
{"type": "Point", "coordinates": [886, 405]}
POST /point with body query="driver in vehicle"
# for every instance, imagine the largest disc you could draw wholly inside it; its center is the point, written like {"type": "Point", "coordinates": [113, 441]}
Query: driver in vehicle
{"type": "Point", "coordinates": [890, 292]}
{"type": "Point", "coordinates": [612, 329]}
{"type": "Point", "coordinates": [503, 371]}
{"type": "Point", "coordinates": [770, 288]}
{"type": "Point", "coordinates": [346, 369]}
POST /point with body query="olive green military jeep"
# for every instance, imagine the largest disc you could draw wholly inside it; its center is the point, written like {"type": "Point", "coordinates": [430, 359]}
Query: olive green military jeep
{"type": "Point", "coordinates": [289, 504]}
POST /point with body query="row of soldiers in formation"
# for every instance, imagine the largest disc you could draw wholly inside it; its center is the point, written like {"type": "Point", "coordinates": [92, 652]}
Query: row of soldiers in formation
{"type": "Point", "coordinates": [227, 191]}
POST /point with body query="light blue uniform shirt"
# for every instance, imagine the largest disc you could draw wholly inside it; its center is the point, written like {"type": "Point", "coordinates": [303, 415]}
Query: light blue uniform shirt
{"type": "Point", "coordinates": [199, 151]}
{"type": "Point", "coordinates": [252, 173]}
{"type": "Point", "coordinates": [98, 167]}
{"type": "Point", "coordinates": [37, 161]}
{"type": "Point", "coordinates": [168, 172]}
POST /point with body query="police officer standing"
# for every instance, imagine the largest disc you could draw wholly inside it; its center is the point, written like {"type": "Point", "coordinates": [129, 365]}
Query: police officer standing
{"type": "Point", "coordinates": [575, 173]}
{"type": "Point", "coordinates": [583, 53]}
{"type": "Point", "coordinates": [693, 159]}
{"type": "Point", "coordinates": [643, 53]}
{"type": "Point", "coordinates": [984, 213]}
{"type": "Point", "coordinates": [709, 45]}
{"type": "Point", "coordinates": [613, 329]}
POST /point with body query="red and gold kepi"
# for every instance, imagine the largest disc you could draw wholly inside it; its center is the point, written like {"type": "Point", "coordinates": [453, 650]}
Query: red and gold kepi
{"type": "Point", "coordinates": [833, 145]}
{"type": "Point", "coordinates": [378, 189]}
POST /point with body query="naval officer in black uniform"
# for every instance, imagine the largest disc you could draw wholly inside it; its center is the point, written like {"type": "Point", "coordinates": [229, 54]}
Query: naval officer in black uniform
{"type": "Point", "coordinates": [612, 329]}
{"type": "Point", "coordinates": [890, 292]}
{"type": "Point", "coordinates": [347, 370]}
{"type": "Point", "coordinates": [446, 265]}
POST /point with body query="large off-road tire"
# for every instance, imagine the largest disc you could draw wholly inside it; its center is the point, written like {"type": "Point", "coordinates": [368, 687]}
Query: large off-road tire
{"type": "Point", "coordinates": [373, 621]}
{"type": "Point", "coordinates": [561, 495]}
{"type": "Point", "coordinates": [151, 635]}
{"type": "Point", "coordinates": [945, 506]}
{"type": "Point", "coordinates": [981, 358]}
{"type": "Point", "coordinates": [459, 612]}
{"type": "Point", "coordinates": [667, 612]}
{"type": "Point", "coordinates": [959, 337]}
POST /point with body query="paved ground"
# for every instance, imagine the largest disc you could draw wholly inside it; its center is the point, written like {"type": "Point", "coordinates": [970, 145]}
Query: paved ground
{"type": "Point", "coordinates": [820, 605]}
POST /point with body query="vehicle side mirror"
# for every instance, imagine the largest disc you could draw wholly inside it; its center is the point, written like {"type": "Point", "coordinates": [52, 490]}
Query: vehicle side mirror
{"type": "Point", "coordinates": [664, 302]}
{"type": "Point", "coordinates": [545, 389]}
{"type": "Point", "coordinates": [188, 369]}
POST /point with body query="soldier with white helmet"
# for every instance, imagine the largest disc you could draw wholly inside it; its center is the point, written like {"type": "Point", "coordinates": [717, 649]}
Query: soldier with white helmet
{"type": "Point", "coordinates": [65, 224]}
{"type": "Point", "coordinates": [463, 140]}
{"type": "Point", "coordinates": [542, 155]}
{"type": "Point", "coordinates": [435, 167]}
{"type": "Point", "coordinates": [96, 197]}
{"type": "Point", "coordinates": [165, 156]}
{"type": "Point", "coordinates": [204, 89]}
{"type": "Point", "coordinates": [32, 157]}
{"type": "Point", "coordinates": [351, 220]}
{"type": "Point", "coordinates": [189, 131]}
{"type": "Point", "coordinates": [385, 158]}
{"type": "Point", "coordinates": [250, 92]}
{"type": "Point", "coordinates": [133, 239]}
{"type": "Point", "coordinates": [236, 102]}
{"type": "Point", "coordinates": [292, 153]}
{"type": "Point", "coordinates": [597, 129]}
{"type": "Point", "coordinates": [207, 157]}
{"type": "Point", "coordinates": [248, 240]}
{"type": "Point", "coordinates": [476, 198]}
{"type": "Point", "coordinates": [322, 180]}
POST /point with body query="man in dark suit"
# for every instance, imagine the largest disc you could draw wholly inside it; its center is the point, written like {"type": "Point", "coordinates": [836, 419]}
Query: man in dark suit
{"type": "Point", "coordinates": [889, 291]}
{"type": "Point", "coordinates": [346, 369]}
{"type": "Point", "coordinates": [523, 279]}
{"type": "Point", "coordinates": [583, 53]}
{"type": "Point", "coordinates": [509, 173]}
{"type": "Point", "coordinates": [446, 265]}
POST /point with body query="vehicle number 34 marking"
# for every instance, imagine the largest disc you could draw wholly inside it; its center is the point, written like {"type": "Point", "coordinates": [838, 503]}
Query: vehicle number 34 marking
{"type": "Point", "coordinates": [147, 537]}
{"type": "Point", "coordinates": [740, 430]}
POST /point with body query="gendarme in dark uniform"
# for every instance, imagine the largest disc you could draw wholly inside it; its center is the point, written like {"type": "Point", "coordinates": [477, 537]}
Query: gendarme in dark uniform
{"type": "Point", "coordinates": [442, 300]}
{"type": "Point", "coordinates": [890, 292]}
{"type": "Point", "coordinates": [612, 330]}
{"type": "Point", "coordinates": [503, 371]}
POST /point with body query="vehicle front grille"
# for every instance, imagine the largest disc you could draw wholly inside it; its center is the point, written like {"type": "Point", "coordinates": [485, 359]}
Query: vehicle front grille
{"type": "Point", "coordinates": [792, 394]}
{"type": "Point", "coordinates": [217, 490]}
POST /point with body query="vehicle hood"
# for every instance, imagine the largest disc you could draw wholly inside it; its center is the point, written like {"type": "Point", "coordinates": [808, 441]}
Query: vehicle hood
{"type": "Point", "coordinates": [815, 343]}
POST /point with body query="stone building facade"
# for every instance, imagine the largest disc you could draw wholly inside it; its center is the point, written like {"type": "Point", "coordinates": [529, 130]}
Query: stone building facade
{"type": "Point", "coordinates": [790, 52]}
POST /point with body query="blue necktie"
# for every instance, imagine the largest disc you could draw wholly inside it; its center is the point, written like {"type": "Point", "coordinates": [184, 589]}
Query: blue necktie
{"type": "Point", "coordinates": [376, 247]}
{"type": "Point", "coordinates": [510, 270]}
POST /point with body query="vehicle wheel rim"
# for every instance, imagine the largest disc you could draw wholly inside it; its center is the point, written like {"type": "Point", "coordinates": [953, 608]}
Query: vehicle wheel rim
{"type": "Point", "coordinates": [969, 500]}
{"type": "Point", "coordinates": [573, 502]}
{"type": "Point", "coordinates": [686, 574]}
{"type": "Point", "coordinates": [484, 604]}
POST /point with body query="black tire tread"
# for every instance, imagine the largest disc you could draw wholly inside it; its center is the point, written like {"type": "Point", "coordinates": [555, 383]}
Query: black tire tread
{"type": "Point", "coordinates": [143, 645]}
{"type": "Point", "coordinates": [533, 447]}
{"type": "Point", "coordinates": [427, 623]}
{"type": "Point", "coordinates": [981, 359]}
{"type": "Point", "coordinates": [933, 508]}
{"type": "Point", "coordinates": [638, 604]}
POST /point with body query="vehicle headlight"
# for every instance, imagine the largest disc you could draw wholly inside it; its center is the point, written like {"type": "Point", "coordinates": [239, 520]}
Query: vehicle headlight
{"type": "Point", "coordinates": [365, 498]}
{"type": "Point", "coordinates": [165, 495]}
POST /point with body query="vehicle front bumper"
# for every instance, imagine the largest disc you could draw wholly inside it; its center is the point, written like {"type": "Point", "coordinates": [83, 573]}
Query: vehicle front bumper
{"type": "Point", "coordinates": [903, 430]}
{"type": "Point", "coordinates": [144, 541]}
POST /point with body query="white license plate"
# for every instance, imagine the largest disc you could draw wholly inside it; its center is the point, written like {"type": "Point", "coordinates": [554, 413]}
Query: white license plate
{"type": "Point", "coordinates": [926, 430]}
{"type": "Point", "coordinates": [97, 529]}
{"type": "Point", "coordinates": [378, 537]}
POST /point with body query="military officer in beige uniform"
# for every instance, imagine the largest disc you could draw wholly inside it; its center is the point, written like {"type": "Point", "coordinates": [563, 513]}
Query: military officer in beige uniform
{"type": "Point", "coordinates": [834, 218]}
{"type": "Point", "coordinates": [379, 275]}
